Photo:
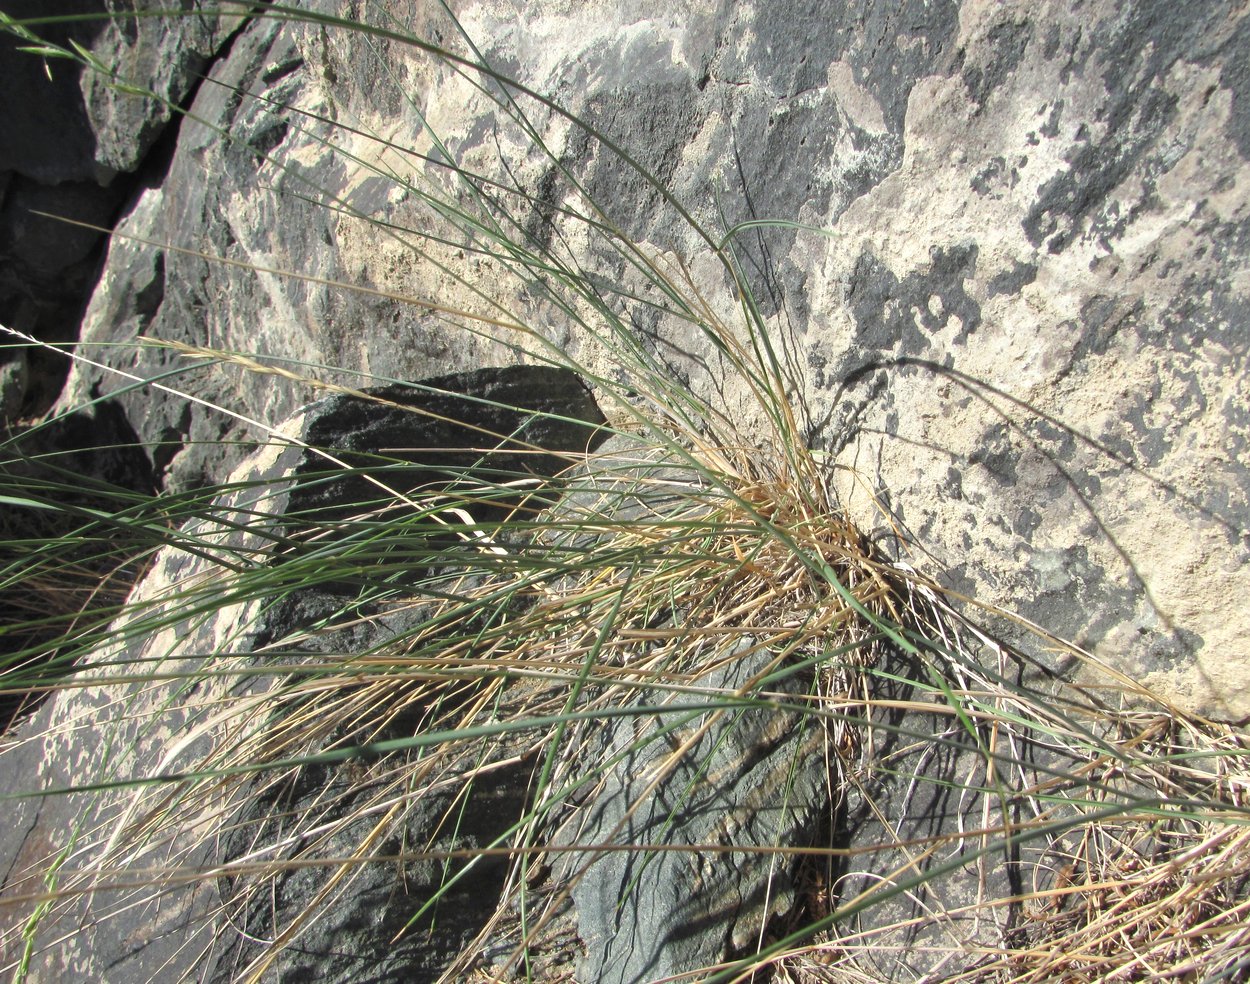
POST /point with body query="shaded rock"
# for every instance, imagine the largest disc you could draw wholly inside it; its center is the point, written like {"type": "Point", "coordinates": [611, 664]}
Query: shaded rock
{"type": "Point", "coordinates": [161, 55]}
{"type": "Point", "coordinates": [374, 934]}
{"type": "Point", "coordinates": [65, 125]}
{"type": "Point", "coordinates": [13, 383]}
{"type": "Point", "coordinates": [489, 425]}
{"type": "Point", "coordinates": [48, 269]}
{"type": "Point", "coordinates": [159, 728]}
{"type": "Point", "coordinates": [48, 135]}
{"type": "Point", "coordinates": [69, 134]}
{"type": "Point", "coordinates": [755, 778]}
{"type": "Point", "coordinates": [59, 477]}
{"type": "Point", "coordinates": [929, 900]}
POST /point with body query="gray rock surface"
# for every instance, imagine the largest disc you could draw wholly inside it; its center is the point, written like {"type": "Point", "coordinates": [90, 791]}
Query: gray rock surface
{"type": "Point", "coordinates": [161, 55]}
{"type": "Point", "coordinates": [368, 934]}
{"type": "Point", "coordinates": [143, 731]}
{"type": "Point", "coordinates": [48, 135]}
{"type": "Point", "coordinates": [753, 777]}
{"type": "Point", "coordinates": [57, 478]}
{"type": "Point", "coordinates": [921, 898]}
{"type": "Point", "coordinates": [1025, 327]}
{"type": "Point", "coordinates": [72, 142]}
{"type": "Point", "coordinates": [289, 168]}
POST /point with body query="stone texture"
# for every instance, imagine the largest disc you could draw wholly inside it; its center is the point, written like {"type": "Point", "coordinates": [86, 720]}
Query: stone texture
{"type": "Point", "coordinates": [920, 897]}
{"type": "Point", "coordinates": [1060, 282]}
{"type": "Point", "coordinates": [94, 453]}
{"type": "Point", "coordinates": [1024, 325]}
{"type": "Point", "coordinates": [48, 135]}
{"type": "Point", "coordinates": [73, 143]}
{"type": "Point", "coordinates": [513, 422]}
{"type": "Point", "coordinates": [755, 778]}
{"type": "Point", "coordinates": [163, 56]}
{"type": "Point", "coordinates": [368, 933]}
{"type": "Point", "coordinates": [144, 730]}
{"type": "Point", "coordinates": [47, 753]}
{"type": "Point", "coordinates": [286, 196]}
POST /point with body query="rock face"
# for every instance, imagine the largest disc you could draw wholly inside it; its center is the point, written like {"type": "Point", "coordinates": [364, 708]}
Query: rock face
{"type": "Point", "coordinates": [1013, 309]}
{"type": "Point", "coordinates": [754, 778]}
{"type": "Point", "coordinates": [149, 730]}
{"type": "Point", "coordinates": [97, 451]}
{"type": "Point", "coordinates": [73, 144]}
{"type": "Point", "coordinates": [1024, 325]}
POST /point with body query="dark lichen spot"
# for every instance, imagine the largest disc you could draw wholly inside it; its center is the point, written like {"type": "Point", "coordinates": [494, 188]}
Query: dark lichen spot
{"type": "Point", "coordinates": [889, 313]}
{"type": "Point", "coordinates": [1005, 45]}
{"type": "Point", "coordinates": [1012, 281]}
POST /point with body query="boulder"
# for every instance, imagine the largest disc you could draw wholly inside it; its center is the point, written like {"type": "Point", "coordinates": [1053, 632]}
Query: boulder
{"type": "Point", "coordinates": [164, 56]}
{"type": "Point", "coordinates": [48, 135]}
{"type": "Point", "coordinates": [57, 478]}
{"type": "Point", "coordinates": [283, 198]}
{"type": "Point", "coordinates": [746, 777]}
{"type": "Point", "coordinates": [98, 802]}
{"type": "Point", "coordinates": [1019, 322]}
{"type": "Point", "coordinates": [1008, 295]}
{"type": "Point", "coordinates": [74, 146]}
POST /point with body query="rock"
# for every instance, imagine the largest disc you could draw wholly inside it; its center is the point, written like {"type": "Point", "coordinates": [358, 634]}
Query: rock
{"type": "Point", "coordinates": [73, 141]}
{"type": "Point", "coordinates": [1022, 328]}
{"type": "Point", "coordinates": [48, 269]}
{"type": "Point", "coordinates": [163, 56]}
{"type": "Point", "coordinates": [1024, 313]}
{"type": "Point", "coordinates": [755, 778]}
{"type": "Point", "coordinates": [159, 728]}
{"type": "Point", "coordinates": [509, 422]}
{"type": "Point", "coordinates": [1048, 367]}
{"type": "Point", "coordinates": [13, 383]}
{"type": "Point", "coordinates": [369, 935]}
{"type": "Point", "coordinates": [918, 896]}
{"type": "Point", "coordinates": [284, 169]}
{"type": "Point", "coordinates": [48, 136]}
{"type": "Point", "coordinates": [60, 475]}
{"type": "Point", "coordinates": [47, 754]}
{"type": "Point", "coordinates": [67, 125]}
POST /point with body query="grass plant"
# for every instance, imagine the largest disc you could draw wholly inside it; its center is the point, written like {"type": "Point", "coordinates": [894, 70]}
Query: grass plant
{"type": "Point", "coordinates": [704, 530]}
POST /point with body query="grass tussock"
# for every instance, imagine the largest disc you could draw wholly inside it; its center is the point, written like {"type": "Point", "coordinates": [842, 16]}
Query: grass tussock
{"type": "Point", "coordinates": [509, 623]}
